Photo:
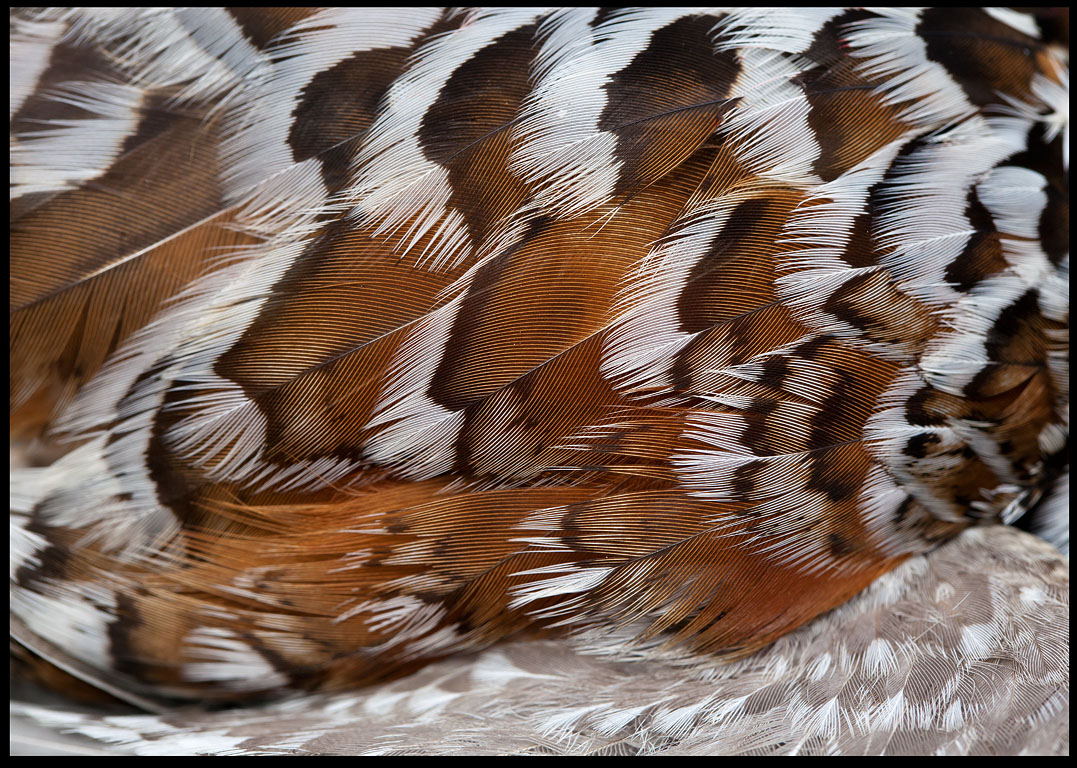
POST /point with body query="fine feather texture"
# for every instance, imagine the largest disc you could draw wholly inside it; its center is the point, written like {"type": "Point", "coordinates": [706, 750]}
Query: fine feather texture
{"type": "Point", "coordinates": [937, 657]}
{"type": "Point", "coordinates": [343, 340]}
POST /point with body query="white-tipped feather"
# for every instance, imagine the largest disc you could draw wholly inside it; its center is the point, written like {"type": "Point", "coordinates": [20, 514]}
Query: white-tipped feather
{"type": "Point", "coordinates": [260, 123]}
{"type": "Point", "coordinates": [646, 334]}
{"type": "Point", "coordinates": [397, 188]}
{"type": "Point", "coordinates": [29, 49]}
{"type": "Point", "coordinates": [396, 421]}
{"type": "Point", "coordinates": [769, 127]}
{"type": "Point", "coordinates": [788, 30]}
{"type": "Point", "coordinates": [892, 50]}
{"type": "Point", "coordinates": [560, 148]}
{"type": "Point", "coordinates": [67, 153]}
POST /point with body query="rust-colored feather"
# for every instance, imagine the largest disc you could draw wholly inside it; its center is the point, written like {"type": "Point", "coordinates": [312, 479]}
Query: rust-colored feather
{"type": "Point", "coordinates": [345, 340]}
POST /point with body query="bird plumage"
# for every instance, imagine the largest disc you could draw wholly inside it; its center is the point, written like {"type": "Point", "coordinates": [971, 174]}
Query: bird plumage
{"type": "Point", "coordinates": [344, 340]}
{"type": "Point", "coordinates": [939, 656]}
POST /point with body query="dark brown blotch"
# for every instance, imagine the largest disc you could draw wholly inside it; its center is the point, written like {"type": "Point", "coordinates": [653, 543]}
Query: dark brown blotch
{"type": "Point", "coordinates": [736, 273]}
{"type": "Point", "coordinates": [668, 100]}
{"type": "Point", "coordinates": [982, 254]}
{"type": "Point", "coordinates": [985, 56]}
{"type": "Point", "coordinates": [467, 129]}
{"type": "Point", "coordinates": [262, 25]}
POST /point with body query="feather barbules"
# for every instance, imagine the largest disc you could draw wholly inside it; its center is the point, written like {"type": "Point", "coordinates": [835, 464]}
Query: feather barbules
{"type": "Point", "coordinates": [960, 651]}
{"type": "Point", "coordinates": [345, 339]}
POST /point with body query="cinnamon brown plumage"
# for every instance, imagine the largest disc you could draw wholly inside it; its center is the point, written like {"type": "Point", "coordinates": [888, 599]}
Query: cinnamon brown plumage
{"type": "Point", "coordinates": [343, 340]}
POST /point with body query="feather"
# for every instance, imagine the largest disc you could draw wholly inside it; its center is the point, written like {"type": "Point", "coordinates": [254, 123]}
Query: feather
{"type": "Point", "coordinates": [344, 340]}
{"type": "Point", "coordinates": [945, 655]}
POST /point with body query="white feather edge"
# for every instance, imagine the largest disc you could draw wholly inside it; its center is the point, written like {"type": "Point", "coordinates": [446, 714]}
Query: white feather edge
{"type": "Point", "coordinates": [396, 189]}
{"type": "Point", "coordinates": [29, 50]}
{"type": "Point", "coordinates": [66, 153]}
{"type": "Point", "coordinates": [560, 150]}
{"type": "Point", "coordinates": [258, 125]}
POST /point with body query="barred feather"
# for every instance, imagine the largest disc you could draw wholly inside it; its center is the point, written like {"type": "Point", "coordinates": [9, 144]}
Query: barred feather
{"type": "Point", "coordinates": [343, 340]}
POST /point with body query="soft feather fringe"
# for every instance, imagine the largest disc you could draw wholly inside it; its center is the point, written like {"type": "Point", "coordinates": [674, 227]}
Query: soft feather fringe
{"type": "Point", "coordinates": [909, 667]}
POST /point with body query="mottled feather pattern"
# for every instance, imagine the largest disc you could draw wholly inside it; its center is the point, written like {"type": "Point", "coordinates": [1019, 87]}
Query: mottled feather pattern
{"type": "Point", "coordinates": [935, 657]}
{"type": "Point", "coordinates": [345, 340]}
